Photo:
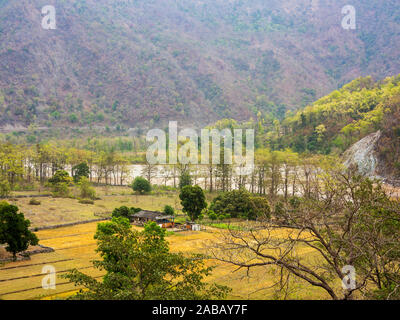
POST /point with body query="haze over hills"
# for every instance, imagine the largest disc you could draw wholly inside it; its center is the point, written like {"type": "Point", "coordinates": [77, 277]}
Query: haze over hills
{"type": "Point", "coordinates": [144, 62]}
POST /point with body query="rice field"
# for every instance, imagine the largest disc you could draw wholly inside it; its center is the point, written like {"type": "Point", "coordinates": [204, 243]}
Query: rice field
{"type": "Point", "coordinates": [75, 248]}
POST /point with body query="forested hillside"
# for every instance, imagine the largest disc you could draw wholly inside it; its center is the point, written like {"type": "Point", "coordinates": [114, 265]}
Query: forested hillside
{"type": "Point", "coordinates": [341, 118]}
{"type": "Point", "coordinates": [143, 62]}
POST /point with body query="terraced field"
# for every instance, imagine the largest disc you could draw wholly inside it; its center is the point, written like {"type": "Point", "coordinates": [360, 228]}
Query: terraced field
{"type": "Point", "coordinates": [58, 211]}
{"type": "Point", "coordinates": [75, 248]}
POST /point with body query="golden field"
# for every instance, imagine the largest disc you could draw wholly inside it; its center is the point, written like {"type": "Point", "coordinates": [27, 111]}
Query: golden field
{"type": "Point", "coordinates": [75, 248]}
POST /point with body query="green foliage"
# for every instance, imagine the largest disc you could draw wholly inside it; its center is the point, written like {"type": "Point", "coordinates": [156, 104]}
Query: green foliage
{"type": "Point", "coordinates": [295, 202]}
{"type": "Point", "coordinates": [212, 215]}
{"type": "Point", "coordinates": [34, 202]}
{"type": "Point", "coordinates": [139, 266]}
{"type": "Point", "coordinates": [125, 212]}
{"type": "Point", "coordinates": [73, 118]}
{"type": "Point", "coordinates": [5, 188]}
{"type": "Point", "coordinates": [193, 201]}
{"type": "Point", "coordinates": [14, 229]}
{"type": "Point", "coordinates": [59, 184]}
{"type": "Point", "coordinates": [339, 119]}
{"type": "Point", "coordinates": [241, 204]}
{"type": "Point", "coordinates": [112, 227]}
{"type": "Point", "coordinates": [185, 180]}
{"type": "Point", "coordinates": [169, 211]}
{"type": "Point", "coordinates": [80, 170]}
{"type": "Point", "coordinates": [86, 190]}
{"type": "Point", "coordinates": [60, 176]}
{"type": "Point", "coordinates": [141, 185]}
{"type": "Point", "coordinates": [61, 190]}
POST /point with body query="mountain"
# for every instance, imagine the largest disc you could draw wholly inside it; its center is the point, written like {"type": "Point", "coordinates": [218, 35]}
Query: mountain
{"type": "Point", "coordinates": [140, 63]}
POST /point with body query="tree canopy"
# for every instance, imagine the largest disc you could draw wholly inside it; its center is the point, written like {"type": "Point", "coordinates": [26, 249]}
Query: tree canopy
{"type": "Point", "coordinates": [14, 229]}
{"type": "Point", "coordinates": [140, 266]}
{"type": "Point", "coordinates": [193, 201]}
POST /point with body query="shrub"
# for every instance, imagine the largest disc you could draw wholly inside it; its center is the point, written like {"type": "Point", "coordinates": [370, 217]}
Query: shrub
{"type": "Point", "coordinates": [61, 190]}
{"type": "Point", "coordinates": [169, 211]}
{"type": "Point", "coordinates": [295, 202]}
{"type": "Point", "coordinates": [121, 212]}
{"type": "Point", "coordinates": [141, 185]}
{"type": "Point", "coordinates": [80, 170]}
{"type": "Point", "coordinates": [125, 212]}
{"type": "Point", "coordinates": [5, 188]}
{"type": "Point", "coordinates": [34, 202]}
{"type": "Point", "coordinates": [59, 184]}
{"type": "Point", "coordinates": [86, 190]}
{"type": "Point", "coordinates": [86, 201]}
{"type": "Point", "coordinates": [212, 215]}
{"type": "Point", "coordinates": [193, 201]}
{"type": "Point", "coordinates": [61, 176]}
{"type": "Point", "coordinates": [240, 203]}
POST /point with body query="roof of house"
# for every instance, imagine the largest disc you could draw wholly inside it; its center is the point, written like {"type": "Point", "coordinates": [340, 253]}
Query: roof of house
{"type": "Point", "coordinates": [151, 215]}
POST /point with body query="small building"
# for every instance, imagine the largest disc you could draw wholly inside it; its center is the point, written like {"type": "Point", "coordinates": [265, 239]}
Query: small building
{"type": "Point", "coordinates": [144, 216]}
{"type": "Point", "coordinates": [193, 226]}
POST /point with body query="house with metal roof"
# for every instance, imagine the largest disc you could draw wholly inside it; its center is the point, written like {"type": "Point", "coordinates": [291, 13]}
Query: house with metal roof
{"type": "Point", "coordinates": [144, 216]}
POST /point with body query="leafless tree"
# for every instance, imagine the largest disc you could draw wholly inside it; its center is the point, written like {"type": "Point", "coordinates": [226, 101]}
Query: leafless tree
{"type": "Point", "coordinates": [350, 222]}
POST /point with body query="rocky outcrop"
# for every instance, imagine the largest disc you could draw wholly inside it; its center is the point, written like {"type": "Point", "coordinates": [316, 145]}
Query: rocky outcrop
{"type": "Point", "coordinates": [363, 155]}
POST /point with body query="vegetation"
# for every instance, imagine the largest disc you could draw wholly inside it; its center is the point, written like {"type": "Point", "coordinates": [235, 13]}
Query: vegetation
{"type": "Point", "coordinates": [240, 203]}
{"type": "Point", "coordinates": [185, 180]}
{"type": "Point", "coordinates": [348, 220]}
{"type": "Point", "coordinates": [269, 85]}
{"type": "Point", "coordinates": [140, 266]}
{"type": "Point", "coordinates": [169, 211]}
{"type": "Point", "coordinates": [334, 122]}
{"type": "Point", "coordinates": [193, 201]}
{"type": "Point", "coordinates": [14, 230]}
{"type": "Point", "coordinates": [80, 170]}
{"type": "Point", "coordinates": [141, 185]}
{"type": "Point", "coordinates": [34, 202]}
{"type": "Point", "coordinates": [59, 184]}
{"type": "Point", "coordinates": [124, 212]}
{"type": "Point", "coordinates": [86, 190]}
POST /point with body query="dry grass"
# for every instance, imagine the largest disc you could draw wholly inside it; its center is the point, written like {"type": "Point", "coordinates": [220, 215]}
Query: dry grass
{"type": "Point", "coordinates": [75, 248]}
{"type": "Point", "coordinates": [55, 211]}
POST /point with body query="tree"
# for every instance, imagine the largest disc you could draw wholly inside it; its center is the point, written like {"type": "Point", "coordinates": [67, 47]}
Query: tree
{"type": "Point", "coordinates": [125, 212]}
{"type": "Point", "coordinates": [140, 266]}
{"type": "Point", "coordinates": [148, 171]}
{"type": "Point", "coordinates": [141, 185]}
{"type": "Point", "coordinates": [86, 190]}
{"type": "Point", "coordinates": [169, 211]}
{"type": "Point", "coordinates": [351, 221]}
{"type": "Point", "coordinates": [60, 176]}
{"type": "Point", "coordinates": [212, 215]}
{"type": "Point", "coordinates": [240, 203]}
{"type": "Point", "coordinates": [14, 229]}
{"type": "Point", "coordinates": [193, 201]}
{"type": "Point", "coordinates": [80, 170]}
{"type": "Point", "coordinates": [59, 183]}
{"type": "Point", "coordinates": [185, 179]}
